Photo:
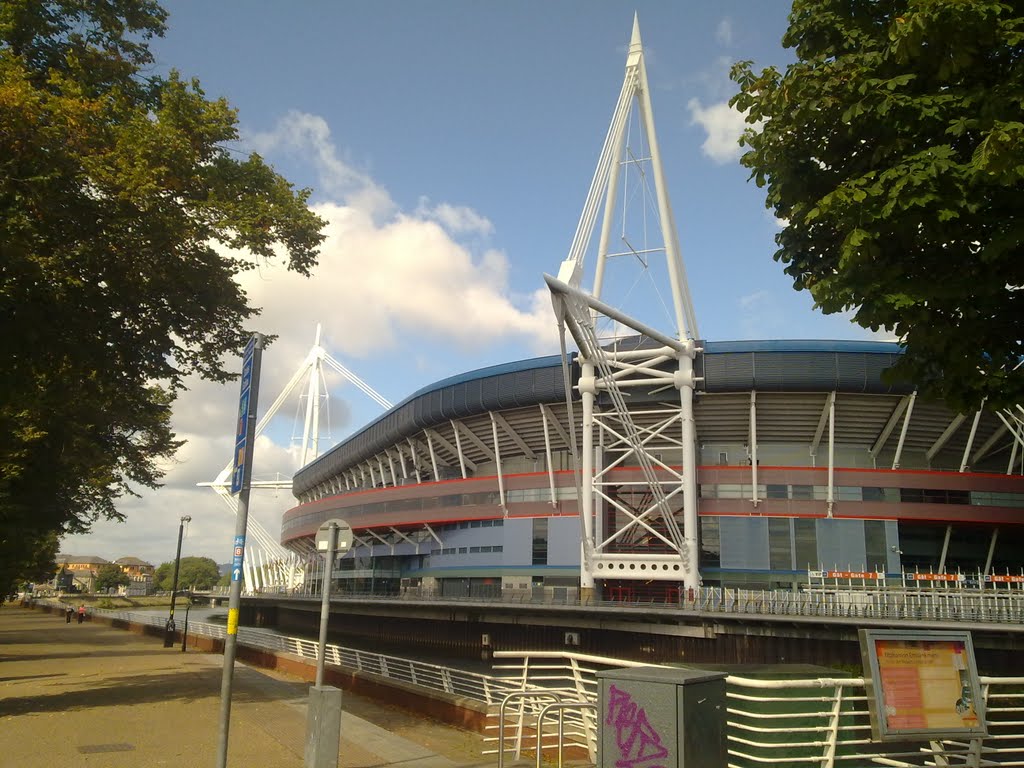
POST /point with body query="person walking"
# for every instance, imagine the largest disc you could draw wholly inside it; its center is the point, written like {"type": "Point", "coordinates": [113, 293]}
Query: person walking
{"type": "Point", "coordinates": [81, 613]}
{"type": "Point", "coordinates": [68, 611]}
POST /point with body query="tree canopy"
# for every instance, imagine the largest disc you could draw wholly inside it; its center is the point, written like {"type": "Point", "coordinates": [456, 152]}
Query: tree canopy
{"type": "Point", "coordinates": [124, 219]}
{"type": "Point", "coordinates": [193, 573]}
{"type": "Point", "coordinates": [893, 149]}
{"type": "Point", "coordinates": [109, 576]}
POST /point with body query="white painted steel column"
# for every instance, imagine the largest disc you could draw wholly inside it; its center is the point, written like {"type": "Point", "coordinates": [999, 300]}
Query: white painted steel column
{"type": "Point", "coordinates": [945, 548]}
{"type": "Point", "coordinates": [547, 454]}
{"type": "Point", "coordinates": [970, 438]}
{"type": "Point", "coordinates": [497, 460]}
{"type": "Point", "coordinates": [691, 518]}
{"type": "Point", "coordinates": [686, 323]}
{"type": "Point", "coordinates": [831, 452]}
{"type": "Point", "coordinates": [903, 430]}
{"type": "Point", "coordinates": [753, 448]}
{"type": "Point", "coordinates": [458, 448]}
{"type": "Point", "coordinates": [311, 424]}
{"type": "Point", "coordinates": [587, 387]}
{"type": "Point", "coordinates": [991, 552]}
{"type": "Point", "coordinates": [433, 455]}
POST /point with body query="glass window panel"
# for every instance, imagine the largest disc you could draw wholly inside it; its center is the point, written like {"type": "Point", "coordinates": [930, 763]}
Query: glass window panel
{"type": "Point", "coordinates": [849, 493]}
{"type": "Point", "coordinates": [779, 550]}
{"type": "Point", "coordinates": [874, 545]}
{"type": "Point", "coordinates": [777, 491]}
{"type": "Point", "coordinates": [806, 543]}
{"type": "Point", "coordinates": [710, 543]}
{"type": "Point", "coordinates": [803, 492]}
{"type": "Point", "coordinates": [872, 494]}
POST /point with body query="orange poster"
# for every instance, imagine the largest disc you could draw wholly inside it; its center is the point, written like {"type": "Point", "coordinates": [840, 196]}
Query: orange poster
{"type": "Point", "coordinates": [925, 685]}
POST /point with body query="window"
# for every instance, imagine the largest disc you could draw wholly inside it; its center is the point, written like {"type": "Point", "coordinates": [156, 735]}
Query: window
{"type": "Point", "coordinates": [803, 492]}
{"type": "Point", "coordinates": [805, 543]}
{"type": "Point", "coordinates": [874, 545]}
{"type": "Point", "coordinates": [710, 543]}
{"type": "Point", "coordinates": [777, 492]}
{"type": "Point", "coordinates": [779, 552]}
{"type": "Point", "coordinates": [540, 541]}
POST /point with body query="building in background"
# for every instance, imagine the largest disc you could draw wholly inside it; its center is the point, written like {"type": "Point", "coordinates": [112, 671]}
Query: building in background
{"type": "Point", "coordinates": [78, 573]}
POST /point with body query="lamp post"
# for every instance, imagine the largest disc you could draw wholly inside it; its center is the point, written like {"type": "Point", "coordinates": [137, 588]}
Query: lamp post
{"type": "Point", "coordinates": [169, 627]}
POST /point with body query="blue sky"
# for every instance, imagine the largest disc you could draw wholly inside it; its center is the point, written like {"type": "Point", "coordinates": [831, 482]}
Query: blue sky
{"type": "Point", "coordinates": [451, 146]}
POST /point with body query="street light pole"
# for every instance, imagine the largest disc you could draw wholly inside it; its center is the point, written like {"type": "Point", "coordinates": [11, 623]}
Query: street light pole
{"type": "Point", "coordinates": [169, 627]}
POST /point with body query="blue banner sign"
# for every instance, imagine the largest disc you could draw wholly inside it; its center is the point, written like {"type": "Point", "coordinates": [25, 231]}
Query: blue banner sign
{"type": "Point", "coordinates": [242, 428]}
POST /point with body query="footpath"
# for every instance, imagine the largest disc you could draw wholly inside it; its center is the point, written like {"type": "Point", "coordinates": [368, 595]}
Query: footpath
{"type": "Point", "coordinates": [93, 695]}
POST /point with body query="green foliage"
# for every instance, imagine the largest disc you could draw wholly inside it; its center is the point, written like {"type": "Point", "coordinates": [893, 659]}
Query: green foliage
{"type": "Point", "coordinates": [110, 576]}
{"type": "Point", "coordinates": [199, 573]}
{"type": "Point", "coordinates": [117, 193]}
{"type": "Point", "coordinates": [894, 149]}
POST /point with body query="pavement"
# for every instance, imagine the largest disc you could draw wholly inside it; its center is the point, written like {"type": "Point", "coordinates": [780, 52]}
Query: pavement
{"type": "Point", "coordinates": [93, 695]}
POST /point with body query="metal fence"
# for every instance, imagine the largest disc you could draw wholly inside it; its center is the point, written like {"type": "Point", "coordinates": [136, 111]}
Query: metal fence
{"type": "Point", "coordinates": [837, 601]}
{"type": "Point", "coordinates": [808, 721]}
{"type": "Point", "coordinates": [820, 722]}
{"type": "Point", "coordinates": [485, 689]}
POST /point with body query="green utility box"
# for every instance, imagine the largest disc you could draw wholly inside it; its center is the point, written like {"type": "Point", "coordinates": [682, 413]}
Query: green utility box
{"type": "Point", "coordinates": [661, 716]}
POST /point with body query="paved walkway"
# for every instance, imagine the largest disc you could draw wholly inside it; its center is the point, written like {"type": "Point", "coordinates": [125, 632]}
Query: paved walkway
{"type": "Point", "coordinates": [91, 695]}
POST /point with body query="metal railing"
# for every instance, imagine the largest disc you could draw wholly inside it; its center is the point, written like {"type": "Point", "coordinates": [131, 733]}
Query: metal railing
{"type": "Point", "coordinates": [808, 721]}
{"type": "Point", "coordinates": [839, 603]}
{"type": "Point", "coordinates": [820, 722]}
{"type": "Point", "coordinates": [481, 688]}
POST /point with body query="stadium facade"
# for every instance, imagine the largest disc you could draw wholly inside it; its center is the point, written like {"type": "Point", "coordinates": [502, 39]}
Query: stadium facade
{"type": "Point", "coordinates": [808, 462]}
{"type": "Point", "coordinates": [649, 463]}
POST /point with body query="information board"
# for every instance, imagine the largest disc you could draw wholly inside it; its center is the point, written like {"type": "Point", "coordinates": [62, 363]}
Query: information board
{"type": "Point", "coordinates": [922, 685]}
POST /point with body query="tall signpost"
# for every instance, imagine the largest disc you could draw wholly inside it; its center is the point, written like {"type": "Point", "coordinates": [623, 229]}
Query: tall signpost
{"type": "Point", "coordinates": [241, 478]}
{"type": "Point", "coordinates": [323, 715]}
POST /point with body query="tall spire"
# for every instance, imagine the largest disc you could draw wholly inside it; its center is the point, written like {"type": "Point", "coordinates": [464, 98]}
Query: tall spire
{"type": "Point", "coordinates": [636, 47]}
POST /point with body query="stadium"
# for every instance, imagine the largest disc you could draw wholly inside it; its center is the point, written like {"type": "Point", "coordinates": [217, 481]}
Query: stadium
{"type": "Point", "coordinates": [643, 465]}
{"type": "Point", "coordinates": [807, 462]}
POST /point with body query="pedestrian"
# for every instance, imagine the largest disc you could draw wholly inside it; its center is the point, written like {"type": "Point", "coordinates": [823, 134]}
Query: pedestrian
{"type": "Point", "coordinates": [68, 611]}
{"type": "Point", "coordinates": [81, 613]}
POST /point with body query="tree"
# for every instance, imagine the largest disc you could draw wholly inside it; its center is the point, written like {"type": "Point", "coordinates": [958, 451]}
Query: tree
{"type": "Point", "coordinates": [894, 150]}
{"type": "Point", "coordinates": [109, 576]}
{"type": "Point", "coordinates": [193, 573]}
{"type": "Point", "coordinates": [124, 219]}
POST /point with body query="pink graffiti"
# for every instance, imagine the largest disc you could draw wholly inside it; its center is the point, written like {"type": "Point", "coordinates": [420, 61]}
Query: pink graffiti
{"type": "Point", "coordinates": [639, 744]}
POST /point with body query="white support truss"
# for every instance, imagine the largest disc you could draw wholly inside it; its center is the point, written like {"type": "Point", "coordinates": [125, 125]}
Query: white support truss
{"type": "Point", "coordinates": [630, 523]}
{"type": "Point", "coordinates": [269, 563]}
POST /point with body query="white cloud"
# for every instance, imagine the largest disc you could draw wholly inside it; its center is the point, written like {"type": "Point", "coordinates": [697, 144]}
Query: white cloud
{"type": "Point", "coordinates": [457, 219]}
{"type": "Point", "coordinates": [310, 137]}
{"type": "Point", "coordinates": [388, 282]}
{"type": "Point", "coordinates": [723, 32]}
{"type": "Point", "coordinates": [723, 125]}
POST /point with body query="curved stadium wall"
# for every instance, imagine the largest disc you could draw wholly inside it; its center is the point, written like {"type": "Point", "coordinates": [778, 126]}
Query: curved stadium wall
{"type": "Point", "coordinates": [467, 487]}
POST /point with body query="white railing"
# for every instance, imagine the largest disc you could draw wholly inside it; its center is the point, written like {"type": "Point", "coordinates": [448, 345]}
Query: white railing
{"type": "Point", "coordinates": [484, 689]}
{"type": "Point", "coordinates": [817, 722]}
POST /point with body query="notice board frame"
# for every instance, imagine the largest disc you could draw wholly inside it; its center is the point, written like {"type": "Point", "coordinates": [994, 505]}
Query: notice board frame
{"type": "Point", "coordinates": [907, 656]}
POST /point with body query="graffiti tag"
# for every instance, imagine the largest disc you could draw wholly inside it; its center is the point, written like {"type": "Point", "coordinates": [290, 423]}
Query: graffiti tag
{"type": "Point", "coordinates": [639, 744]}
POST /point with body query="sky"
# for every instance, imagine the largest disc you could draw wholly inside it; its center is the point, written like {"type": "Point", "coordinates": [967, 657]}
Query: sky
{"type": "Point", "coordinates": [450, 146]}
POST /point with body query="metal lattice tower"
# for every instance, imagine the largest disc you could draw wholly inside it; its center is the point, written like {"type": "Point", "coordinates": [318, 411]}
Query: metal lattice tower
{"type": "Point", "coordinates": [630, 529]}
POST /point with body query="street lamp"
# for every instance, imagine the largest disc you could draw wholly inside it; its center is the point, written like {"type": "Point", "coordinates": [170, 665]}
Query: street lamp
{"type": "Point", "coordinates": [169, 627]}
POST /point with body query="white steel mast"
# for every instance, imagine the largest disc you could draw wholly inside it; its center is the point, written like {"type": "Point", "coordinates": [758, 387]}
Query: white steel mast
{"type": "Point", "coordinates": [634, 535]}
{"type": "Point", "coordinates": [283, 566]}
